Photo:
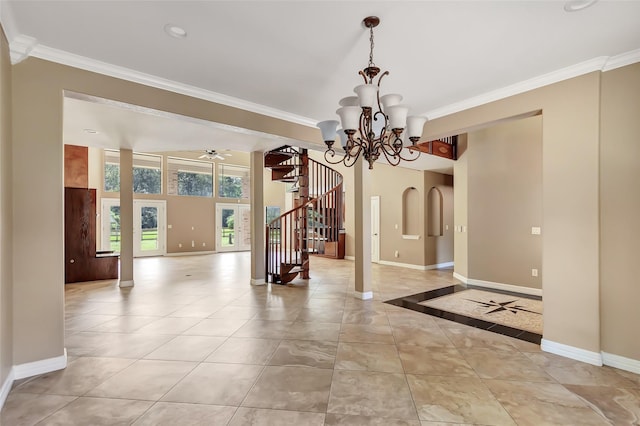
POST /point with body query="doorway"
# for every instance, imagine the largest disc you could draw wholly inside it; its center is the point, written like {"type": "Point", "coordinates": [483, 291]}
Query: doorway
{"type": "Point", "coordinates": [233, 227]}
{"type": "Point", "coordinates": [375, 229]}
{"type": "Point", "coordinates": [149, 230]}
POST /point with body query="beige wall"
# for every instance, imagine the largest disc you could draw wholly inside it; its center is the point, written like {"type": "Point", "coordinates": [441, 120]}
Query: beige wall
{"type": "Point", "coordinates": [570, 182]}
{"type": "Point", "coordinates": [461, 203]}
{"type": "Point", "coordinates": [6, 223]}
{"type": "Point", "coordinates": [389, 183]}
{"type": "Point", "coordinates": [570, 237]}
{"type": "Point", "coordinates": [505, 201]}
{"type": "Point", "coordinates": [619, 207]}
{"type": "Point", "coordinates": [38, 85]}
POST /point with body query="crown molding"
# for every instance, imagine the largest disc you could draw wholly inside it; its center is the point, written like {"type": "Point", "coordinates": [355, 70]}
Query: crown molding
{"type": "Point", "coordinates": [21, 47]}
{"type": "Point", "coordinates": [595, 64]}
{"type": "Point", "coordinates": [601, 63]}
{"type": "Point", "coordinates": [88, 64]}
{"type": "Point", "coordinates": [622, 60]}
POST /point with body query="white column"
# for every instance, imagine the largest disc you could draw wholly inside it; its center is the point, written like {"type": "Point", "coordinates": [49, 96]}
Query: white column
{"type": "Point", "coordinates": [126, 218]}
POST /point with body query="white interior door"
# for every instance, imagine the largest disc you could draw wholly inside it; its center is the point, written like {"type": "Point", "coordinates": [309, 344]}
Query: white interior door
{"type": "Point", "coordinates": [233, 227]}
{"type": "Point", "coordinates": [149, 227]}
{"type": "Point", "coordinates": [110, 224]}
{"type": "Point", "coordinates": [149, 237]}
{"type": "Point", "coordinates": [375, 229]}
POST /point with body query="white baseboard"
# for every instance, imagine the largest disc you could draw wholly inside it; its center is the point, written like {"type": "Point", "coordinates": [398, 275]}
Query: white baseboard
{"type": "Point", "coordinates": [126, 283]}
{"type": "Point", "coordinates": [190, 253]}
{"type": "Point", "coordinates": [617, 361]}
{"type": "Point", "coordinates": [367, 295]}
{"type": "Point", "coordinates": [416, 267]}
{"type": "Point", "coordinates": [258, 281]}
{"type": "Point", "coordinates": [460, 277]}
{"type": "Point", "coordinates": [590, 357]}
{"type": "Point", "coordinates": [504, 287]}
{"type": "Point", "coordinates": [6, 387]}
{"type": "Point", "coordinates": [349, 258]}
{"type": "Point", "coordinates": [48, 365]}
{"type": "Point", "coordinates": [439, 265]}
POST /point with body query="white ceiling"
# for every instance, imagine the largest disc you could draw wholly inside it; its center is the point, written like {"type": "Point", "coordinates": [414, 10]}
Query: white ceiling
{"type": "Point", "coordinates": [299, 58]}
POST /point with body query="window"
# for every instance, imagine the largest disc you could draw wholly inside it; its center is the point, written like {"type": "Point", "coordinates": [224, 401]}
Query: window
{"type": "Point", "coordinates": [189, 177]}
{"type": "Point", "coordinates": [233, 181]}
{"type": "Point", "coordinates": [147, 173]}
{"type": "Point", "coordinates": [272, 213]}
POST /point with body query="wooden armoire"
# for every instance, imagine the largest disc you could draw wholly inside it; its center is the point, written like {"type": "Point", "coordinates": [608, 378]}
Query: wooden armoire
{"type": "Point", "coordinates": [81, 262]}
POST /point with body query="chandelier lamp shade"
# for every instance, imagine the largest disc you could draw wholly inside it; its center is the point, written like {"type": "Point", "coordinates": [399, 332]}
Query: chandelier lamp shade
{"type": "Point", "coordinates": [372, 125]}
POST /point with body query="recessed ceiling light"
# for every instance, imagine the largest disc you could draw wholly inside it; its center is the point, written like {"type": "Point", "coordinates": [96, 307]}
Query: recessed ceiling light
{"type": "Point", "coordinates": [91, 131]}
{"type": "Point", "coordinates": [175, 31]}
{"type": "Point", "coordinates": [576, 5]}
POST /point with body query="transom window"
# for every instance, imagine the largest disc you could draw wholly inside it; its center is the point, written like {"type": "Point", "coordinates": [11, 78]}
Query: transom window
{"type": "Point", "coordinates": [147, 173]}
{"type": "Point", "coordinates": [233, 181]}
{"type": "Point", "coordinates": [189, 177]}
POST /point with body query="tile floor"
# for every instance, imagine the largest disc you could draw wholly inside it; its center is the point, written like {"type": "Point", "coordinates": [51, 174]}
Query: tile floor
{"type": "Point", "coordinates": [194, 344]}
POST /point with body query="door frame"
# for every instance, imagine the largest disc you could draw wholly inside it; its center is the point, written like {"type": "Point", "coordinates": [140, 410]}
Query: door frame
{"type": "Point", "coordinates": [161, 205]}
{"type": "Point", "coordinates": [106, 203]}
{"type": "Point", "coordinates": [375, 229]}
{"type": "Point", "coordinates": [238, 232]}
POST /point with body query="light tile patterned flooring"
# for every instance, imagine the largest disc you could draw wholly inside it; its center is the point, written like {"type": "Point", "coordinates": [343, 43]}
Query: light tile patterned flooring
{"type": "Point", "coordinates": [193, 343]}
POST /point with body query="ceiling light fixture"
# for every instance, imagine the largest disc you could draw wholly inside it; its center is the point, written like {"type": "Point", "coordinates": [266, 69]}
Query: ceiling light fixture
{"type": "Point", "coordinates": [372, 125]}
{"type": "Point", "coordinates": [577, 5]}
{"type": "Point", "coordinates": [175, 31]}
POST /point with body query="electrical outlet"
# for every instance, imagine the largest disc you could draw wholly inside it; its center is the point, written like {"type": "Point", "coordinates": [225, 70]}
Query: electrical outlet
{"type": "Point", "coordinates": [534, 272]}
{"type": "Point", "coordinates": [193, 243]}
{"type": "Point", "coordinates": [179, 245]}
{"type": "Point", "coordinates": [397, 253]}
{"type": "Point", "coordinates": [204, 244]}
{"type": "Point", "coordinates": [535, 230]}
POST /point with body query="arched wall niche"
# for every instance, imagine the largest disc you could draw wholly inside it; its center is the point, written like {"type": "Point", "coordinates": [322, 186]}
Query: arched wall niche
{"type": "Point", "coordinates": [434, 213]}
{"type": "Point", "coordinates": [411, 211]}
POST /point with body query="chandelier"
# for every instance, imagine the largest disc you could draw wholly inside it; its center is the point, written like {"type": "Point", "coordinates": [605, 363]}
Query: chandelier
{"type": "Point", "coordinates": [372, 125]}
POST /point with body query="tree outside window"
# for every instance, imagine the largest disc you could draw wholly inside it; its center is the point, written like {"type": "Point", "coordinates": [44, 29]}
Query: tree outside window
{"type": "Point", "coordinates": [147, 173]}
{"type": "Point", "coordinates": [233, 181]}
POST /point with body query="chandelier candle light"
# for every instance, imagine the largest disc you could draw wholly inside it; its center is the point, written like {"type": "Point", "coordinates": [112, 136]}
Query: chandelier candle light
{"type": "Point", "coordinates": [372, 125]}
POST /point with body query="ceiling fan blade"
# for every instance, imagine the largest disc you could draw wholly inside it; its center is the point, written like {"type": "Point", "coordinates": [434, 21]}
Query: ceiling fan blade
{"type": "Point", "coordinates": [203, 156]}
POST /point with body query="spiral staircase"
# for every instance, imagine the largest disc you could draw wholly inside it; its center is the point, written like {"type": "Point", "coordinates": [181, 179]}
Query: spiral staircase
{"type": "Point", "coordinates": [313, 226]}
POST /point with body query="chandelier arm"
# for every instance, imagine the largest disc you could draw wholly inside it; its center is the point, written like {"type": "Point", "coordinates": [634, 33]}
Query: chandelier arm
{"type": "Point", "coordinates": [388, 150]}
{"type": "Point", "coordinates": [382, 75]}
{"type": "Point", "coordinates": [392, 159]}
{"type": "Point", "coordinates": [360, 144]}
{"type": "Point", "coordinates": [363, 76]}
{"type": "Point", "coordinates": [409, 158]}
{"type": "Point", "coordinates": [383, 131]}
{"type": "Point", "coordinates": [350, 160]}
{"type": "Point", "coordinates": [332, 154]}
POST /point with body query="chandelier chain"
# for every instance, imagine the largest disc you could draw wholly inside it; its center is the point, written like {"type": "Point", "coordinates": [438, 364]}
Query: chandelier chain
{"type": "Point", "coordinates": [371, 64]}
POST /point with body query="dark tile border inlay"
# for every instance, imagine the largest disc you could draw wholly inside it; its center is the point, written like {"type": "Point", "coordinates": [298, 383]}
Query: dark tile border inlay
{"type": "Point", "coordinates": [413, 302]}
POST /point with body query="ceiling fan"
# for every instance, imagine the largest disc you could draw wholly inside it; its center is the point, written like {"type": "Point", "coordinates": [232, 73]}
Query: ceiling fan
{"type": "Point", "coordinates": [212, 154]}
